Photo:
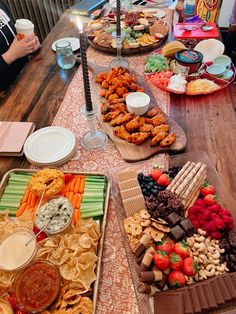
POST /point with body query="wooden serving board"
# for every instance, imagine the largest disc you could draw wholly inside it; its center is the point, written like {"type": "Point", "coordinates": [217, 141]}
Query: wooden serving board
{"type": "Point", "coordinates": [129, 51]}
{"type": "Point", "coordinates": [131, 152]}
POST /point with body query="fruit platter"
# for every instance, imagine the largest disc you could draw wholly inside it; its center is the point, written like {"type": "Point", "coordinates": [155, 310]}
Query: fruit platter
{"type": "Point", "coordinates": [179, 70]}
{"type": "Point", "coordinates": [52, 226]}
{"type": "Point", "coordinates": [143, 31]}
{"type": "Point", "coordinates": [178, 227]}
{"type": "Point", "coordinates": [131, 117]}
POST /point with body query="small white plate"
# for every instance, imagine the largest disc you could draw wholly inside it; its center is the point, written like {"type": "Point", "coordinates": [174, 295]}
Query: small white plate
{"type": "Point", "coordinates": [49, 145]}
{"type": "Point", "coordinates": [155, 12]}
{"type": "Point", "coordinates": [75, 44]}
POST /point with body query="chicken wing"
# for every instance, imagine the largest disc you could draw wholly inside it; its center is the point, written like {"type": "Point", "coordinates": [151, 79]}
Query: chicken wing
{"type": "Point", "coordinates": [170, 139]}
{"type": "Point", "coordinates": [160, 128]}
{"type": "Point", "coordinates": [119, 106]}
{"type": "Point", "coordinates": [135, 124]}
{"type": "Point", "coordinates": [156, 120]}
{"type": "Point", "coordinates": [139, 138]}
{"type": "Point", "coordinates": [146, 128]}
{"type": "Point", "coordinates": [110, 116]}
{"type": "Point", "coordinates": [105, 108]}
{"type": "Point", "coordinates": [121, 132]}
{"type": "Point", "coordinates": [153, 112]}
{"type": "Point", "coordinates": [121, 119]}
{"type": "Point", "coordinates": [160, 136]}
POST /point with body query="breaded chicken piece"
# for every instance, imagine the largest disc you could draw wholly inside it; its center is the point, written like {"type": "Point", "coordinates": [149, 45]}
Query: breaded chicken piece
{"type": "Point", "coordinates": [146, 128]}
{"type": "Point", "coordinates": [153, 112]}
{"type": "Point", "coordinates": [105, 108]}
{"type": "Point", "coordinates": [110, 116]}
{"type": "Point", "coordinates": [121, 119]}
{"type": "Point", "coordinates": [121, 132]}
{"type": "Point", "coordinates": [160, 128]}
{"type": "Point", "coordinates": [169, 140]}
{"type": "Point", "coordinates": [139, 138]}
{"type": "Point", "coordinates": [119, 106]}
{"type": "Point", "coordinates": [135, 124]}
{"type": "Point", "coordinates": [156, 120]}
{"type": "Point", "coordinates": [160, 136]}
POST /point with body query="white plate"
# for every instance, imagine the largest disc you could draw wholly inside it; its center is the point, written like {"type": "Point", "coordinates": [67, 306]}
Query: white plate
{"type": "Point", "coordinates": [49, 145]}
{"type": "Point", "coordinates": [210, 48]}
{"type": "Point", "coordinates": [156, 12]}
{"type": "Point", "coordinates": [75, 44]}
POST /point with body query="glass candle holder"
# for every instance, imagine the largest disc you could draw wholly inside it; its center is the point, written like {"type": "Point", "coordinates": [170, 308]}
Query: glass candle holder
{"type": "Point", "coordinates": [65, 56]}
{"type": "Point", "coordinates": [119, 61]}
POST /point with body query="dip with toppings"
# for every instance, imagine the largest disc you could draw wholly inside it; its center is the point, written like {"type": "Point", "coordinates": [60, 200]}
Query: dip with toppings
{"type": "Point", "coordinates": [36, 287]}
{"type": "Point", "coordinates": [14, 253]}
{"type": "Point", "coordinates": [55, 215]}
{"type": "Point", "coordinates": [190, 59]}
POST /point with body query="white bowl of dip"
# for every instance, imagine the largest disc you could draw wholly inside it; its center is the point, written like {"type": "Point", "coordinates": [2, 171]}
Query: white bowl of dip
{"type": "Point", "coordinates": [14, 253]}
{"type": "Point", "coordinates": [137, 103]}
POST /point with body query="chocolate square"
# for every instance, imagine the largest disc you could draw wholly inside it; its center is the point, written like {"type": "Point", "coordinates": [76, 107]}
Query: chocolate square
{"type": "Point", "coordinates": [188, 227]}
{"type": "Point", "coordinates": [161, 284]}
{"type": "Point", "coordinates": [172, 219]}
{"type": "Point", "coordinates": [169, 302]}
{"type": "Point", "coordinates": [177, 233]}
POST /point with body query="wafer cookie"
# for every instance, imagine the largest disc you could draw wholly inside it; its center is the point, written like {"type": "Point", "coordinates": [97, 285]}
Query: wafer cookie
{"type": "Point", "coordinates": [179, 174]}
{"type": "Point", "coordinates": [187, 179]}
{"type": "Point", "coordinates": [184, 175]}
{"type": "Point", "coordinates": [134, 205]}
{"type": "Point", "coordinates": [195, 192]}
{"type": "Point", "coordinates": [128, 184]}
{"type": "Point", "coordinates": [126, 175]}
{"type": "Point", "coordinates": [125, 194]}
{"type": "Point", "coordinates": [185, 194]}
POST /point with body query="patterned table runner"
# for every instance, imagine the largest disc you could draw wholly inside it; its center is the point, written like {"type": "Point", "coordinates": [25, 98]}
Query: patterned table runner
{"type": "Point", "coordinates": [116, 292]}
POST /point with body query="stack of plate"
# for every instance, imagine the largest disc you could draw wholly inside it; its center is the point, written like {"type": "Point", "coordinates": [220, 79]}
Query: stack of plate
{"type": "Point", "coordinates": [50, 146]}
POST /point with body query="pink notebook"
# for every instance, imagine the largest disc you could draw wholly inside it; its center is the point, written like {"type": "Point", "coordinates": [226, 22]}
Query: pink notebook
{"type": "Point", "coordinates": [13, 136]}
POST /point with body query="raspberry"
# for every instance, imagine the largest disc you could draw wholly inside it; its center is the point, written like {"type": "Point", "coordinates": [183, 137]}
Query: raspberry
{"type": "Point", "coordinates": [200, 202]}
{"type": "Point", "coordinates": [214, 216]}
{"type": "Point", "coordinates": [196, 223]}
{"type": "Point", "coordinates": [214, 208]}
{"type": "Point", "coordinates": [206, 216]}
{"type": "Point", "coordinates": [226, 212]}
{"type": "Point", "coordinates": [194, 210]}
{"type": "Point", "coordinates": [216, 235]}
{"type": "Point", "coordinates": [230, 226]}
{"type": "Point", "coordinates": [191, 217]}
{"type": "Point", "coordinates": [210, 226]}
{"type": "Point", "coordinates": [219, 224]}
{"type": "Point", "coordinates": [227, 219]}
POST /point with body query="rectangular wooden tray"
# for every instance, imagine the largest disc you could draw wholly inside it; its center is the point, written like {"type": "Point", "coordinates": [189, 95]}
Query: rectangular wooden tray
{"type": "Point", "coordinates": [102, 222]}
{"type": "Point", "coordinates": [145, 302]}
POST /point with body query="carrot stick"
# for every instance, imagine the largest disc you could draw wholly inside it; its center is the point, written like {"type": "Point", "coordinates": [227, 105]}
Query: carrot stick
{"type": "Point", "coordinates": [77, 184]}
{"type": "Point", "coordinates": [21, 209]}
{"type": "Point", "coordinates": [29, 198]}
{"type": "Point", "coordinates": [26, 195]}
{"type": "Point", "coordinates": [79, 199]}
{"type": "Point", "coordinates": [74, 200]}
{"type": "Point", "coordinates": [76, 216]}
{"type": "Point", "coordinates": [33, 200]}
{"type": "Point", "coordinates": [72, 185]}
{"type": "Point", "coordinates": [63, 190]}
{"type": "Point", "coordinates": [70, 196]}
{"type": "Point", "coordinates": [81, 186]}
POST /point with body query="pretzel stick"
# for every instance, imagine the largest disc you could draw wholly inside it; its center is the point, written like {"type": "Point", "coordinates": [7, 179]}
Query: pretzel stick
{"type": "Point", "coordinates": [179, 174]}
{"type": "Point", "coordinates": [185, 194]}
{"type": "Point", "coordinates": [187, 179]}
{"type": "Point", "coordinates": [195, 192]}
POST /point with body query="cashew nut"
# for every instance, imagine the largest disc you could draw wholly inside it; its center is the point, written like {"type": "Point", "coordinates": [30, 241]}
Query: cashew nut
{"type": "Point", "coordinates": [190, 242]}
{"type": "Point", "coordinates": [216, 255]}
{"type": "Point", "coordinates": [210, 266]}
{"type": "Point", "coordinates": [221, 267]}
{"type": "Point", "coordinates": [210, 273]}
{"type": "Point", "coordinates": [221, 250]}
{"type": "Point", "coordinates": [201, 232]}
{"type": "Point", "coordinates": [215, 262]}
{"type": "Point", "coordinates": [211, 248]}
{"type": "Point", "coordinates": [202, 273]}
{"type": "Point", "coordinates": [200, 239]}
{"type": "Point", "coordinates": [196, 277]}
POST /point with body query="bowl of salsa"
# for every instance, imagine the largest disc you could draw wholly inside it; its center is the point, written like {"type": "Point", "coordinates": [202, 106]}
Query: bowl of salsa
{"type": "Point", "coordinates": [36, 287]}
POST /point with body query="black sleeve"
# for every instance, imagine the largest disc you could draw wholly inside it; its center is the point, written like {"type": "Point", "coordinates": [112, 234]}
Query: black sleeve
{"type": "Point", "coordinates": [3, 65]}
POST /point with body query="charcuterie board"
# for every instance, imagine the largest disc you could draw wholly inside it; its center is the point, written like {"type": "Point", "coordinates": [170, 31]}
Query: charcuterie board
{"type": "Point", "coordinates": [129, 151]}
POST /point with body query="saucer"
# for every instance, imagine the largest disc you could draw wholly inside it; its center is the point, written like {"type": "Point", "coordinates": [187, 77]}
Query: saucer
{"type": "Point", "coordinates": [75, 44]}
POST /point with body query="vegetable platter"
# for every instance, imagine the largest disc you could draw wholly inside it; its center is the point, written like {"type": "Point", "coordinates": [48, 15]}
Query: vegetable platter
{"type": "Point", "coordinates": [190, 253]}
{"type": "Point", "coordinates": [36, 203]}
{"type": "Point", "coordinates": [166, 71]}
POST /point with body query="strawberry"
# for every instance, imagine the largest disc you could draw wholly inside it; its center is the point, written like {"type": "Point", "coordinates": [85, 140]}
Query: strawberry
{"type": "Point", "coordinates": [176, 261]}
{"type": "Point", "coordinates": [161, 260]}
{"type": "Point", "coordinates": [11, 300]}
{"type": "Point", "coordinates": [207, 189]}
{"type": "Point", "coordinates": [176, 279]}
{"type": "Point", "coordinates": [163, 180]}
{"type": "Point", "coordinates": [210, 199]}
{"type": "Point", "coordinates": [68, 177]}
{"type": "Point", "coordinates": [189, 266]}
{"type": "Point", "coordinates": [156, 173]}
{"type": "Point", "coordinates": [181, 248]}
{"type": "Point", "coordinates": [165, 246]}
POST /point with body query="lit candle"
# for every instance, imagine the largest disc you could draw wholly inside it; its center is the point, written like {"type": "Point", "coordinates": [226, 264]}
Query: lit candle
{"type": "Point", "coordinates": [83, 46]}
{"type": "Point", "coordinates": [118, 8]}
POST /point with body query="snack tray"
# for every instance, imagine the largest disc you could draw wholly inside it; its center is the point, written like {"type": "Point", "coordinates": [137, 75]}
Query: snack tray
{"type": "Point", "coordinates": [145, 302]}
{"type": "Point", "coordinates": [220, 82]}
{"type": "Point", "coordinates": [102, 222]}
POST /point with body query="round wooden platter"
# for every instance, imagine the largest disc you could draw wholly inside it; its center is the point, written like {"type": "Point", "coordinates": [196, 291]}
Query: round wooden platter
{"type": "Point", "coordinates": [131, 152]}
{"type": "Point", "coordinates": [129, 51]}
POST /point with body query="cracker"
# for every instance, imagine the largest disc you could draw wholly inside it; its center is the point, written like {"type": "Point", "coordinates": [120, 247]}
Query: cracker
{"type": "Point", "coordinates": [145, 222]}
{"type": "Point", "coordinates": [157, 235]}
{"type": "Point", "coordinates": [160, 227]}
{"type": "Point", "coordinates": [144, 214]}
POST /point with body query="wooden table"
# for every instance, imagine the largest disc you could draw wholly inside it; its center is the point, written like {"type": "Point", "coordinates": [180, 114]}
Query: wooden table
{"type": "Point", "coordinates": [209, 121]}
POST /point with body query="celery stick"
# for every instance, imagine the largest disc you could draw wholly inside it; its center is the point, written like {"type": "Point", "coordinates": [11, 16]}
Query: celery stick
{"type": "Point", "coordinates": [89, 214]}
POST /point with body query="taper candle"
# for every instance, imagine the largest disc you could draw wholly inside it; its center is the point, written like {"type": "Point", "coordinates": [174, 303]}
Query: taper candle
{"type": "Point", "coordinates": [87, 92]}
{"type": "Point", "coordinates": [118, 27]}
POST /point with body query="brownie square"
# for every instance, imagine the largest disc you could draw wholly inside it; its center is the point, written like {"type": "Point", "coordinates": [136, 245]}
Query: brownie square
{"type": "Point", "coordinates": [172, 219]}
{"type": "Point", "coordinates": [188, 227]}
{"type": "Point", "coordinates": [177, 233]}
